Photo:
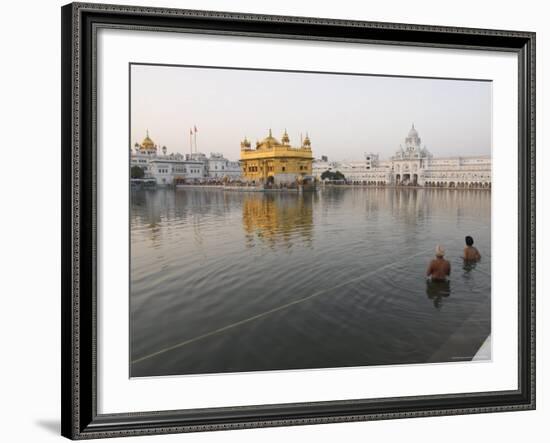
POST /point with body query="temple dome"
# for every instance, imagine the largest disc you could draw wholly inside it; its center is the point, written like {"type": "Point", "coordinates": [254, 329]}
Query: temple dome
{"type": "Point", "coordinates": [270, 140]}
{"type": "Point", "coordinates": [147, 143]}
{"type": "Point", "coordinates": [413, 132]}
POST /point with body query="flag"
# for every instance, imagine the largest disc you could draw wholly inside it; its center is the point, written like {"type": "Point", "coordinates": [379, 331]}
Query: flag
{"type": "Point", "coordinates": [196, 129]}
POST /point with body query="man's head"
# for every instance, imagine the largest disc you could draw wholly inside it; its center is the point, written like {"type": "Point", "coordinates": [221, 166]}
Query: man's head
{"type": "Point", "coordinates": [439, 251]}
{"type": "Point", "coordinates": [469, 240]}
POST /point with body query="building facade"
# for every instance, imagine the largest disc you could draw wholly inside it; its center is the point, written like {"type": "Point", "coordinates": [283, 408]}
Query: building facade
{"type": "Point", "coordinates": [174, 168]}
{"type": "Point", "coordinates": [276, 161]}
{"type": "Point", "coordinates": [413, 165]}
{"type": "Point", "coordinates": [220, 167]}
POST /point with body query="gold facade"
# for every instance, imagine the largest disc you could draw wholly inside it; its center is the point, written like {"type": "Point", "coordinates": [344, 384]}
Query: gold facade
{"type": "Point", "coordinates": [147, 146]}
{"type": "Point", "coordinates": [278, 220]}
{"type": "Point", "coordinates": [272, 159]}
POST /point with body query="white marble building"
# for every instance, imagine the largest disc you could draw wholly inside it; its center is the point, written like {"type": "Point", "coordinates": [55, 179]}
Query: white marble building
{"type": "Point", "coordinates": [173, 168]}
{"type": "Point", "coordinates": [220, 167]}
{"type": "Point", "coordinates": [413, 165]}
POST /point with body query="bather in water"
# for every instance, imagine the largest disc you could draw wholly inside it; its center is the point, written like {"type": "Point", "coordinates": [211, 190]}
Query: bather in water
{"type": "Point", "coordinates": [439, 268]}
{"type": "Point", "coordinates": [471, 254]}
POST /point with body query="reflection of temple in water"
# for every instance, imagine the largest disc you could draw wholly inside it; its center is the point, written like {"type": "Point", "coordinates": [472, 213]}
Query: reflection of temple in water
{"type": "Point", "coordinates": [146, 213]}
{"type": "Point", "coordinates": [160, 212]}
{"type": "Point", "coordinates": [410, 205]}
{"type": "Point", "coordinates": [278, 219]}
{"type": "Point", "coordinates": [416, 204]}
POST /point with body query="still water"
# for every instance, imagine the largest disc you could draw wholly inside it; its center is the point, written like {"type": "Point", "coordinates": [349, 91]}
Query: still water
{"type": "Point", "coordinates": [227, 281]}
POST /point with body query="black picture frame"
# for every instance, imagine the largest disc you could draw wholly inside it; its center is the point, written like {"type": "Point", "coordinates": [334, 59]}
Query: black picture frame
{"type": "Point", "coordinates": [79, 175]}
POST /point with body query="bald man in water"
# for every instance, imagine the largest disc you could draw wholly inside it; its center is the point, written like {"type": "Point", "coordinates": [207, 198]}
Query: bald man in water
{"type": "Point", "coordinates": [439, 268]}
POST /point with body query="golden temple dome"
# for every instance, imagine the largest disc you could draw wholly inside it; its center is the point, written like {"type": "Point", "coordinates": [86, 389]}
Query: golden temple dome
{"type": "Point", "coordinates": [270, 139]}
{"type": "Point", "coordinates": [147, 143]}
{"type": "Point", "coordinates": [307, 141]}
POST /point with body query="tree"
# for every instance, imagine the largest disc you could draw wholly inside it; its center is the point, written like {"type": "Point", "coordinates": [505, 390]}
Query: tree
{"type": "Point", "coordinates": [136, 172]}
{"type": "Point", "coordinates": [329, 175]}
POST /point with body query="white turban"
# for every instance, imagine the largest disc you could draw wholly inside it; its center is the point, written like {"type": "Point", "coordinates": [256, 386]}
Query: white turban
{"type": "Point", "coordinates": [439, 251]}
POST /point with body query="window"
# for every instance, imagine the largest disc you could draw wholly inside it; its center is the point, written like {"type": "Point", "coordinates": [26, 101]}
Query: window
{"type": "Point", "coordinates": [283, 169]}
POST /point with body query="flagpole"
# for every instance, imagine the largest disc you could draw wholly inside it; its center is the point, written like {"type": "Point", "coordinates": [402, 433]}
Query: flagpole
{"type": "Point", "coordinates": [190, 141]}
{"type": "Point", "coordinates": [196, 150]}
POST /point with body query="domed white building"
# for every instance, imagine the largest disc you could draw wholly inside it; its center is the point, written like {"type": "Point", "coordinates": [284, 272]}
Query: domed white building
{"type": "Point", "coordinates": [172, 168]}
{"type": "Point", "coordinates": [408, 163]}
{"type": "Point", "coordinates": [414, 165]}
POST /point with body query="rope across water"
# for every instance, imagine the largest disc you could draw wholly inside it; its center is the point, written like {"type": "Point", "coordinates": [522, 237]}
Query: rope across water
{"type": "Point", "coordinates": [276, 309]}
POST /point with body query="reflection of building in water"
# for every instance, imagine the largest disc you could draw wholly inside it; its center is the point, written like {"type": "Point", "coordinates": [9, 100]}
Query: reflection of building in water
{"type": "Point", "coordinates": [413, 165]}
{"type": "Point", "coordinates": [414, 205]}
{"type": "Point", "coordinates": [275, 218]}
{"type": "Point", "coordinates": [168, 169]}
{"type": "Point", "coordinates": [276, 161]}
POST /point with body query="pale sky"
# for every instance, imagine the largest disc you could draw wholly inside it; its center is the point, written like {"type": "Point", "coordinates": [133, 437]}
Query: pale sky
{"type": "Point", "coordinates": [344, 115]}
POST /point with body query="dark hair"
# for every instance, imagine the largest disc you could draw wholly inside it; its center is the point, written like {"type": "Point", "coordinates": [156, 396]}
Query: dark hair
{"type": "Point", "coordinates": [469, 240]}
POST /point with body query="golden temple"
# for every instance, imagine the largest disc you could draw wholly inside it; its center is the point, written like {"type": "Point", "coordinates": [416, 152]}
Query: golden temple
{"type": "Point", "coordinates": [274, 161]}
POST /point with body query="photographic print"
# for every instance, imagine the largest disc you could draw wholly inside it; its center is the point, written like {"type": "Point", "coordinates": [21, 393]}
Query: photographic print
{"type": "Point", "coordinates": [334, 206]}
{"type": "Point", "coordinates": [285, 220]}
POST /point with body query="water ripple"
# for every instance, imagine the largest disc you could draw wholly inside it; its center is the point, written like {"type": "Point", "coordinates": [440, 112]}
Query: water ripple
{"type": "Point", "coordinates": [204, 259]}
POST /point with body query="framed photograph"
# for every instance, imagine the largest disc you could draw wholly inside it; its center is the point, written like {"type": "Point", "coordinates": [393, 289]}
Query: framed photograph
{"type": "Point", "coordinates": [273, 221]}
